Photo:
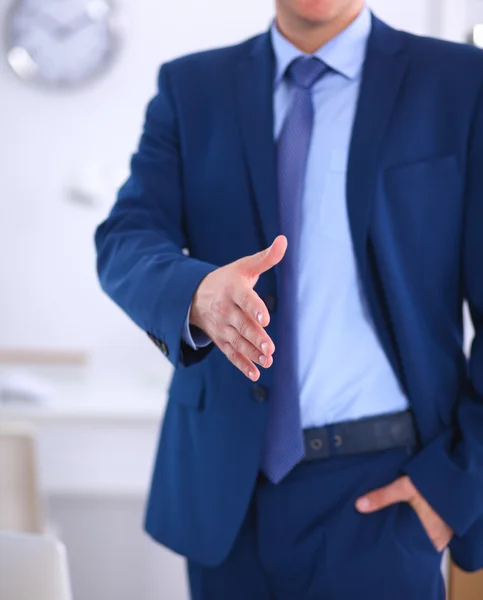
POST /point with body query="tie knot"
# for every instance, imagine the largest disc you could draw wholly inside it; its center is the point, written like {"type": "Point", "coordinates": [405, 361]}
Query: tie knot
{"type": "Point", "coordinates": [305, 71]}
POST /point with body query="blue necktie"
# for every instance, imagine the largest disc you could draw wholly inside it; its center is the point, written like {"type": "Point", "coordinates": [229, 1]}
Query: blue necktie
{"type": "Point", "coordinates": [284, 446]}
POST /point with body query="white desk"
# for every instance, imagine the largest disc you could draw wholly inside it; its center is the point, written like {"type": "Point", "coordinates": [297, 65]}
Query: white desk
{"type": "Point", "coordinates": [98, 433]}
{"type": "Point", "coordinates": [97, 441]}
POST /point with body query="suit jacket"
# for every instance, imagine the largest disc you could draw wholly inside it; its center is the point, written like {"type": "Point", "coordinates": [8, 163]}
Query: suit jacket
{"type": "Point", "coordinates": [204, 179]}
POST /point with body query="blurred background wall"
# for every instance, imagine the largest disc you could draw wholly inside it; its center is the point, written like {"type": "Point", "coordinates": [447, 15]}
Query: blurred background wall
{"type": "Point", "coordinates": [62, 154]}
{"type": "Point", "coordinates": [52, 141]}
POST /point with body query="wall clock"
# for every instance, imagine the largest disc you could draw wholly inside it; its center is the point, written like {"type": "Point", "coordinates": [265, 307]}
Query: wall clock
{"type": "Point", "coordinates": [60, 43]}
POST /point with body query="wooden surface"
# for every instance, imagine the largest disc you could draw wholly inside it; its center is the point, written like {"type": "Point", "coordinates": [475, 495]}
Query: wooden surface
{"type": "Point", "coordinates": [33, 356]}
{"type": "Point", "coordinates": [465, 586]}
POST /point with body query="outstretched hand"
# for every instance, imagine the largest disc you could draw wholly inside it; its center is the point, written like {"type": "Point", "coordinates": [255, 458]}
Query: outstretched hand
{"type": "Point", "coordinates": [226, 307]}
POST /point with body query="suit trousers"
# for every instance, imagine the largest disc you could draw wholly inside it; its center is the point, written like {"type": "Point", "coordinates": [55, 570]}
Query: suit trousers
{"type": "Point", "coordinates": [303, 539]}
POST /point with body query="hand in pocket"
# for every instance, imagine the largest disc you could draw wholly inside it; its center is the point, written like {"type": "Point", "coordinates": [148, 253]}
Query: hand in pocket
{"type": "Point", "coordinates": [403, 490]}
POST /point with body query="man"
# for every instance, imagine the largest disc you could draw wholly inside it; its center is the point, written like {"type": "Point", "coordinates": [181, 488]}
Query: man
{"type": "Point", "coordinates": [343, 470]}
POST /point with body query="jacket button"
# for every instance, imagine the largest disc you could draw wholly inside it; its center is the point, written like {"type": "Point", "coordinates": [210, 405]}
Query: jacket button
{"type": "Point", "coordinates": [270, 302]}
{"type": "Point", "coordinates": [164, 348]}
{"type": "Point", "coordinates": [259, 393]}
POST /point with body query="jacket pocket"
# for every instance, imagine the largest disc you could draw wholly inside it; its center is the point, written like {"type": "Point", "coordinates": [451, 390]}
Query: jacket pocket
{"type": "Point", "coordinates": [427, 183]}
{"type": "Point", "coordinates": [438, 166]}
{"type": "Point", "coordinates": [423, 209]}
{"type": "Point", "coordinates": [187, 388]}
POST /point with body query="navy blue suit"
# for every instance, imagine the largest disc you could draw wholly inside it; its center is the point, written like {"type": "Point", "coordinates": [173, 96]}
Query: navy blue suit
{"type": "Point", "coordinates": [203, 178]}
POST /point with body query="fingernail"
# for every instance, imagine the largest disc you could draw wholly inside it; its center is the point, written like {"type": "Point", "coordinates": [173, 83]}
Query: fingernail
{"type": "Point", "coordinates": [264, 347]}
{"type": "Point", "coordinates": [259, 317]}
{"type": "Point", "coordinates": [363, 504]}
{"type": "Point", "coordinates": [263, 360]}
{"type": "Point", "coordinates": [251, 374]}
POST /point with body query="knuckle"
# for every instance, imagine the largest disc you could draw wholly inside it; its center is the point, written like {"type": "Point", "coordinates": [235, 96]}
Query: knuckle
{"type": "Point", "coordinates": [243, 327]}
{"type": "Point", "coordinates": [231, 353]}
{"type": "Point", "coordinates": [408, 487]}
{"type": "Point", "coordinates": [226, 332]}
{"type": "Point", "coordinates": [245, 300]}
{"type": "Point", "coordinates": [236, 342]}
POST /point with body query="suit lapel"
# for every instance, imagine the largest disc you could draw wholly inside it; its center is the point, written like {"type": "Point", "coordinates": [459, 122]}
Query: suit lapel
{"type": "Point", "coordinates": [384, 70]}
{"type": "Point", "coordinates": [255, 106]}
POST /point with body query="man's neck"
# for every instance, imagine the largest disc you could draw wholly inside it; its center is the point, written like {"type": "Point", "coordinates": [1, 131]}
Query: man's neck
{"type": "Point", "coordinates": [309, 37]}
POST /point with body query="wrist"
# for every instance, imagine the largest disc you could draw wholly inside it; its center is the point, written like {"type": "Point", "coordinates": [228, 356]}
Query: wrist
{"type": "Point", "coordinates": [195, 313]}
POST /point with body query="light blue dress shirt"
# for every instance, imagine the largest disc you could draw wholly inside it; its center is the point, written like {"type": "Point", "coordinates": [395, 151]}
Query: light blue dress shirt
{"type": "Point", "coordinates": [343, 371]}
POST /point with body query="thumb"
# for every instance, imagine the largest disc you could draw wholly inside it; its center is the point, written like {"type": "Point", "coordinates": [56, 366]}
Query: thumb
{"type": "Point", "coordinates": [258, 263]}
{"type": "Point", "coordinates": [395, 492]}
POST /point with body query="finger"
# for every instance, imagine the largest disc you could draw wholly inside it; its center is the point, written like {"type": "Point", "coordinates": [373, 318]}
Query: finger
{"type": "Point", "coordinates": [251, 304]}
{"type": "Point", "coordinates": [442, 541]}
{"type": "Point", "coordinates": [246, 348]}
{"type": "Point", "coordinates": [258, 263]}
{"type": "Point", "coordinates": [251, 331]}
{"type": "Point", "coordinates": [241, 362]}
{"type": "Point", "coordinates": [438, 531]}
{"type": "Point", "coordinates": [395, 492]}
{"type": "Point", "coordinates": [441, 545]}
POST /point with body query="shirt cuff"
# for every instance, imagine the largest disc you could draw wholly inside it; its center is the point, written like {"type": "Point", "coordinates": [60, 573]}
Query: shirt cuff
{"type": "Point", "coordinates": [194, 336]}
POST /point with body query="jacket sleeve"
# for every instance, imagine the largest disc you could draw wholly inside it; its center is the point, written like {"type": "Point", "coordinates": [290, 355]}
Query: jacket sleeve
{"type": "Point", "coordinates": [449, 472]}
{"type": "Point", "coordinates": [140, 259]}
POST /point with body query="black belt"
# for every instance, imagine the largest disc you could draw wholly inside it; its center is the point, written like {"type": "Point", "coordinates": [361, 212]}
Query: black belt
{"type": "Point", "coordinates": [372, 434]}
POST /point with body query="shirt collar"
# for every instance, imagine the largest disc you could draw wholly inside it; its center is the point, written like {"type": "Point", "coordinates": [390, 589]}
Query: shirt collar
{"type": "Point", "coordinates": [345, 53]}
